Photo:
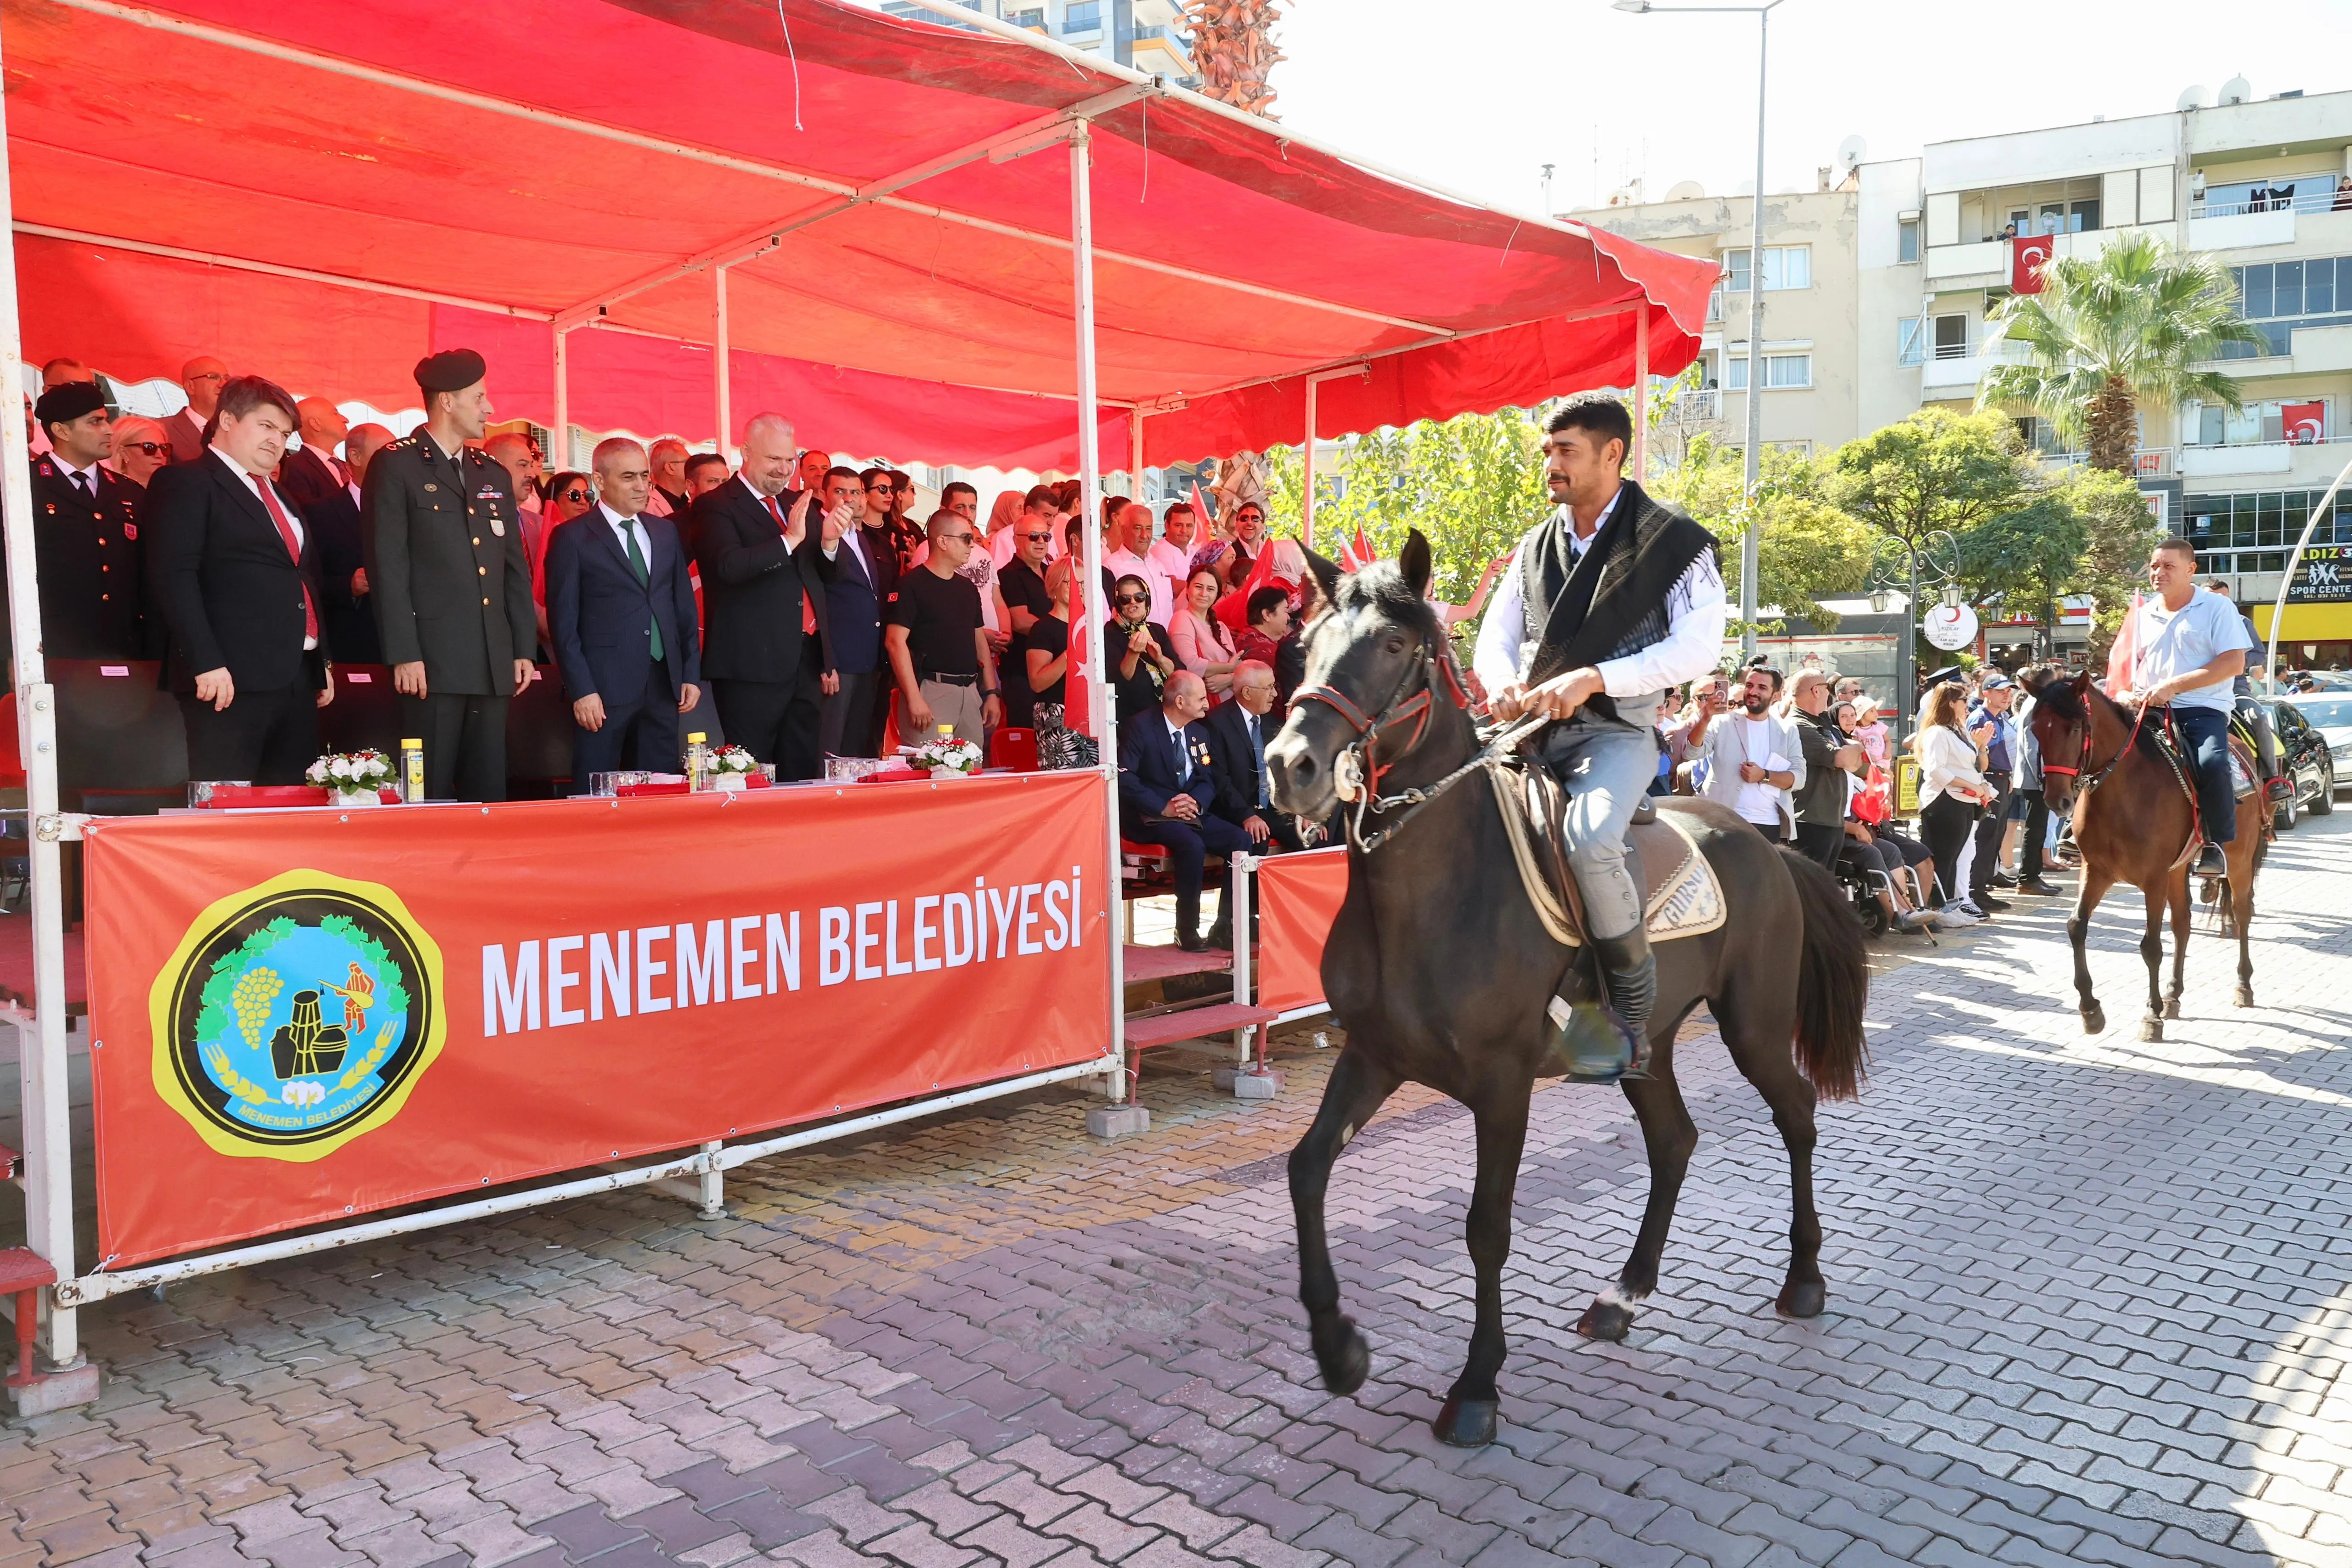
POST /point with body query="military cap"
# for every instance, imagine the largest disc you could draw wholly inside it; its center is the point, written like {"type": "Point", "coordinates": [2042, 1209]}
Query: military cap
{"type": "Point", "coordinates": [1937, 678]}
{"type": "Point", "coordinates": [451, 370]}
{"type": "Point", "coordinates": [68, 400]}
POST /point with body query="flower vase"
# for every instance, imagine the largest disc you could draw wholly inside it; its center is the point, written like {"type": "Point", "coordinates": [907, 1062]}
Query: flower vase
{"type": "Point", "coordinates": [368, 797]}
{"type": "Point", "coordinates": [939, 773]}
{"type": "Point", "coordinates": [731, 783]}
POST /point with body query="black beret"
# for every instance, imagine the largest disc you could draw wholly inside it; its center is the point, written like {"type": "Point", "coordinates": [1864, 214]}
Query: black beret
{"type": "Point", "coordinates": [68, 402]}
{"type": "Point", "coordinates": [451, 370]}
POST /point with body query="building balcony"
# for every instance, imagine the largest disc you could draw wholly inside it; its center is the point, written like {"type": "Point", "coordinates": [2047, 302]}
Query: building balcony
{"type": "Point", "coordinates": [1955, 371]}
{"type": "Point", "coordinates": [2299, 462]}
{"type": "Point", "coordinates": [1696, 406]}
{"type": "Point", "coordinates": [2149, 462]}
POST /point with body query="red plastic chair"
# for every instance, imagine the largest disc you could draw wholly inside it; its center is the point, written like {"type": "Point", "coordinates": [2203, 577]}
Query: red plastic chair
{"type": "Point", "coordinates": [1014, 748]}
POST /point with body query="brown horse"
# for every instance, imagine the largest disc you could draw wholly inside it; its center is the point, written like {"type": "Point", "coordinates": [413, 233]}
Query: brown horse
{"type": "Point", "coordinates": [2136, 822]}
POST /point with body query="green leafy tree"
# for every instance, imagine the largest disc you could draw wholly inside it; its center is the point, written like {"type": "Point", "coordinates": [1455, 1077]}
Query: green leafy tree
{"type": "Point", "coordinates": [1936, 470]}
{"type": "Point", "coordinates": [2130, 329]}
{"type": "Point", "coordinates": [1808, 552]}
{"type": "Point", "coordinates": [2027, 559]}
{"type": "Point", "coordinates": [2117, 534]}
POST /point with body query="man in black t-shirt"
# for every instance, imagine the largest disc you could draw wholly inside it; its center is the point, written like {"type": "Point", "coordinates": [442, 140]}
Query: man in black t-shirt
{"type": "Point", "coordinates": [1021, 590]}
{"type": "Point", "coordinates": [937, 645]}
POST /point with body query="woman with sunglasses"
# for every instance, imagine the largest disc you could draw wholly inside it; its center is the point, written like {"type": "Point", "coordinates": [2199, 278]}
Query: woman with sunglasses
{"type": "Point", "coordinates": [1142, 654]}
{"type": "Point", "coordinates": [1202, 644]}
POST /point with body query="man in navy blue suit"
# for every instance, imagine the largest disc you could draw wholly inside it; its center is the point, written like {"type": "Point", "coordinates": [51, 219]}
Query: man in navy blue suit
{"type": "Point", "coordinates": [620, 610]}
{"type": "Point", "coordinates": [1167, 793]}
{"type": "Point", "coordinates": [857, 601]}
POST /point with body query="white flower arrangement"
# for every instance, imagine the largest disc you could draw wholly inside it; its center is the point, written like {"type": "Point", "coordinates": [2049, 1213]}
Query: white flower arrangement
{"type": "Point", "coordinates": [732, 759]}
{"type": "Point", "coordinates": [950, 755]}
{"type": "Point", "coordinates": [352, 773]}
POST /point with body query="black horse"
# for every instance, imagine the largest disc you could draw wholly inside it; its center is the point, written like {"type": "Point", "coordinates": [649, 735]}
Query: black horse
{"type": "Point", "coordinates": [1439, 969]}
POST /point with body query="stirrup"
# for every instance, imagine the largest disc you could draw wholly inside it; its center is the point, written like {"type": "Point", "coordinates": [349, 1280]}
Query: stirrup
{"type": "Point", "coordinates": [1593, 1044]}
{"type": "Point", "coordinates": [2278, 791]}
{"type": "Point", "coordinates": [2220, 855]}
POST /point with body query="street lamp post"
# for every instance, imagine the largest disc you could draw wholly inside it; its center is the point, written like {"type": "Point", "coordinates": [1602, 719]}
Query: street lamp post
{"type": "Point", "coordinates": [1942, 574]}
{"type": "Point", "coordinates": [1752, 465]}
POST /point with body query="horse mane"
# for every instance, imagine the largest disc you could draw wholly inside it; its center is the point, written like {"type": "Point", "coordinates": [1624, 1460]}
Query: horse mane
{"type": "Point", "coordinates": [1381, 588]}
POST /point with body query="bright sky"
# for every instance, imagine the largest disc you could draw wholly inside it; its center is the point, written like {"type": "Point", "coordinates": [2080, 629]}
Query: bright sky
{"type": "Point", "coordinates": [1477, 95]}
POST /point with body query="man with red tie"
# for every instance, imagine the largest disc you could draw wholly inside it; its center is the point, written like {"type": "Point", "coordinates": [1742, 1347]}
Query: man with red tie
{"type": "Point", "coordinates": [236, 573]}
{"type": "Point", "coordinates": [765, 553]}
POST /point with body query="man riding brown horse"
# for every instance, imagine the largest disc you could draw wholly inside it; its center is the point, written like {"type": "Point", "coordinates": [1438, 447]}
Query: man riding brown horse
{"type": "Point", "coordinates": [1613, 600]}
{"type": "Point", "coordinates": [2188, 648]}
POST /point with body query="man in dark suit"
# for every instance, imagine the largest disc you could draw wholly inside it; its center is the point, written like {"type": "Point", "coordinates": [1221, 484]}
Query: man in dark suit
{"type": "Point", "coordinates": [236, 573]}
{"type": "Point", "coordinates": [86, 533]}
{"type": "Point", "coordinates": [202, 379]}
{"type": "Point", "coordinates": [451, 584]}
{"type": "Point", "coordinates": [620, 610]}
{"type": "Point", "coordinates": [1239, 733]}
{"type": "Point", "coordinates": [857, 600]}
{"type": "Point", "coordinates": [321, 485]}
{"type": "Point", "coordinates": [1168, 792]}
{"type": "Point", "coordinates": [764, 553]}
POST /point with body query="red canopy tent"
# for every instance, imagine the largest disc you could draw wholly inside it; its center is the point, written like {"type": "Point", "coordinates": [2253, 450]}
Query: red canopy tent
{"type": "Point", "coordinates": [703, 206]}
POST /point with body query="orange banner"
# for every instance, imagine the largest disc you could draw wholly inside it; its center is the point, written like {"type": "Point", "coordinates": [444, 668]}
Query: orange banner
{"type": "Point", "coordinates": [1298, 898]}
{"type": "Point", "coordinates": [299, 1018]}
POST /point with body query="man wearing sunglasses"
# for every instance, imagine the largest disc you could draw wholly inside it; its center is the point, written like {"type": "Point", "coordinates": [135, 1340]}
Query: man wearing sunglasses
{"type": "Point", "coordinates": [85, 532]}
{"type": "Point", "coordinates": [320, 484]}
{"type": "Point", "coordinates": [1021, 588]}
{"type": "Point", "coordinates": [938, 648]}
{"type": "Point", "coordinates": [202, 379]}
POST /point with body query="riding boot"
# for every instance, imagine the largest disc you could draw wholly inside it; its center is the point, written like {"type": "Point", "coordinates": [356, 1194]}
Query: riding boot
{"type": "Point", "coordinates": [1596, 1042]}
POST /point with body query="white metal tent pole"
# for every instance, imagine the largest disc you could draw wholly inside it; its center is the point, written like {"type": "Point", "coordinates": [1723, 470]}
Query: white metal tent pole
{"type": "Point", "coordinates": [1090, 560]}
{"type": "Point", "coordinates": [1306, 473]}
{"type": "Point", "coordinates": [719, 357]}
{"type": "Point", "coordinates": [41, 1049]}
{"type": "Point", "coordinates": [562, 454]}
{"type": "Point", "coordinates": [1135, 454]}
{"type": "Point", "coordinates": [1642, 396]}
{"type": "Point", "coordinates": [2278, 611]}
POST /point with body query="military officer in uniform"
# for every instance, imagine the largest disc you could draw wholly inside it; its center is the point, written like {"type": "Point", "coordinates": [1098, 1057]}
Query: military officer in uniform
{"type": "Point", "coordinates": [451, 584]}
{"type": "Point", "coordinates": [85, 532]}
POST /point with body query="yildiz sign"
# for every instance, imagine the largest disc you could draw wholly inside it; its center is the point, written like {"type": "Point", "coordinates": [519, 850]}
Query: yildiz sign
{"type": "Point", "coordinates": [2323, 577]}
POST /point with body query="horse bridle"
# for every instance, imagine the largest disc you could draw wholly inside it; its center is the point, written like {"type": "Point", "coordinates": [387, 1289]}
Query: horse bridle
{"type": "Point", "coordinates": [1359, 768]}
{"type": "Point", "coordinates": [2083, 763]}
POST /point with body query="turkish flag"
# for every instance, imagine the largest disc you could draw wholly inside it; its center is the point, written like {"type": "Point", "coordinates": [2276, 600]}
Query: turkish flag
{"type": "Point", "coordinates": [2028, 255]}
{"type": "Point", "coordinates": [2303, 423]}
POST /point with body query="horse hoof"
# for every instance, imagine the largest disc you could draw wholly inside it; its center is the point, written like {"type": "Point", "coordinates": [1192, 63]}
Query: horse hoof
{"type": "Point", "coordinates": [2172, 1007]}
{"type": "Point", "coordinates": [1802, 1299]}
{"type": "Point", "coordinates": [1346, 1364]}
{"type": "Point", "coordinates": [1606, 1320]}
{"type": "Point", "coordinates": [2245, 998]}
{"type": "Point", "coordinates": [2151, 1029]}
{"type": "Point", "coordinates": [1467, 1423]}
{"type": "Point", "coordinates": [2094, 1021]}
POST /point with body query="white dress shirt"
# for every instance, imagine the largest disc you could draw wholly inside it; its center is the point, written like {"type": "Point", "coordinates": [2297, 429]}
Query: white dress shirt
{"type": "Point", "coordinates": [1124, 562]}
{"type": "Point", "coordinates": [87, 476]}
{"type": "Point", "coordinates": [626, 529]}
{"type": "Point", "coordinates": [1691, 646]}
{"type": "Point", "coordinates": [293, 517]}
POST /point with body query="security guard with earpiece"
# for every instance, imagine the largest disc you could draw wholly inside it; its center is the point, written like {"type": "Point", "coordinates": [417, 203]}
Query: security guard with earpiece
{"type": "Point", "coordinates": [450, 582]}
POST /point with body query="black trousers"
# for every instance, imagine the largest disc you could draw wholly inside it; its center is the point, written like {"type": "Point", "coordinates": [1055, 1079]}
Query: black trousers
{"type": "Point", "coordinates": [1820, 845]}
{"type": "Point", "coordinates": [1988, 831]}
{"type": "Point", "coordinates": [1945, 822]}
{"type": "Point", "coordinates": [464, 744]}
{"type": "Point", "coordinates": [1188, 846]}
{"type": "Point", "coordinates": [643, 734]}
{"type": "Point", "coordinates": [2037, 833]}
{"type": "Point", "coordinates": [776, 721]}
{"type": "Point", "coordinates": [262, 737]}
{"type": "Point", "coordinates": [848, 721]}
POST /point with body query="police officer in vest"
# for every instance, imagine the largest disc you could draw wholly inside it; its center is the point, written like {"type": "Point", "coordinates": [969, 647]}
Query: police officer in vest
{"type": "Point", "coordinates": [450, 581]}
{"type": "Point", "coordinates": [85, 532]}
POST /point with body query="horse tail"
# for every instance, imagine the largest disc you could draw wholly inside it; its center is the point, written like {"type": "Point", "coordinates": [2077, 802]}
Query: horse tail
{"type": "Point", "coordinates": [1833, 982]}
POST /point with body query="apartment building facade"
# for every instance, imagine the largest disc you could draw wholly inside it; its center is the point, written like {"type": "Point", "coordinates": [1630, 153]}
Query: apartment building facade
{"type": "Point", "coordinates": [1146, 35]}
{"type": "Point", "coordinates": [2254, 182]}
{"type": "Point", "coordinates": [1810, 353]}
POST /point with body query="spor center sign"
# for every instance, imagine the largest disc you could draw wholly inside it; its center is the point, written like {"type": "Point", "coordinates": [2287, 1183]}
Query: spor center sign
{"type": "Point", "coordinates": [2323, 577]}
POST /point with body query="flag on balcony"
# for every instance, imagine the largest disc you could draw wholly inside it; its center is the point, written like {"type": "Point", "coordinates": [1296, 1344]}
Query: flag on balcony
{"type": "Point", "coordinates": [2028, 255]}
{"type": "Point", "coordinates": [2305, 423]}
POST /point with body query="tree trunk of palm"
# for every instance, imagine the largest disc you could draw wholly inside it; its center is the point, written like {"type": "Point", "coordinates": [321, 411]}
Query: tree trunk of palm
{"type": "Point", "coordinates": [1233, 51]}
{"type": "Point", "coordinates": [2113, 420]}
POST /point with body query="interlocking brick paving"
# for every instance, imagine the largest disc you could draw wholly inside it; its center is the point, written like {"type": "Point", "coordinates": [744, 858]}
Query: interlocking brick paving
{"type": "Point", "coordinates": [2088, 1304]}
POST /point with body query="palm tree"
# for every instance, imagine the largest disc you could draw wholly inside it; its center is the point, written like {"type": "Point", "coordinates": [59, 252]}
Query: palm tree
{"type": "Point", "coordinates": [1234, 50]}
{"type": "Point", "coordinates": [2105, 337]}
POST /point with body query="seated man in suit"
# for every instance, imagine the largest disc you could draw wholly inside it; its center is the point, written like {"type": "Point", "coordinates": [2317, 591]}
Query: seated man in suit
{"type": "Point", "coordinates": [1239, 733]}
{"type": "Point", "coordinates": [620, 610]}
{"type": "Point", "coordinates": [236, 575]}
{"type": "Point", "coordinates": [1167, 792]}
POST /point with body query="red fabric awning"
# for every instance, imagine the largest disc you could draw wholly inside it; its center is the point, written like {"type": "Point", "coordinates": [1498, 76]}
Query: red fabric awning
{"type": "Point", "coordinates": [900, 301]}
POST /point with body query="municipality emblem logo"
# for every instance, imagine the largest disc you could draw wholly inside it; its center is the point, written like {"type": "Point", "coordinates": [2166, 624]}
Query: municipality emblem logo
{"type": "Point", "coordinates": [295, 1016]}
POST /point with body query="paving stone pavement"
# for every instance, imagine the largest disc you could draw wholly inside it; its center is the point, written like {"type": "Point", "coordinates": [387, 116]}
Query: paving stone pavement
{"type": "Point", "coordinates": [2088, 1304]}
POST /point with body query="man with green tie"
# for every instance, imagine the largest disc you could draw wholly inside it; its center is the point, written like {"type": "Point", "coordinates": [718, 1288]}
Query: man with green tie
{"type": "Point", "coordinates": [620, 610]}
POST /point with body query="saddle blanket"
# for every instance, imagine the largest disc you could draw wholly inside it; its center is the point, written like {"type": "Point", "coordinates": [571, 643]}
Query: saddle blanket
{"type": "Point", "coordinates": [1680, 894]}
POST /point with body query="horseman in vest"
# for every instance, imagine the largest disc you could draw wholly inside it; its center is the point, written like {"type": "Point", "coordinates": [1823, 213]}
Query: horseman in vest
{"type": "Point", "coordinates": [1614, 599]}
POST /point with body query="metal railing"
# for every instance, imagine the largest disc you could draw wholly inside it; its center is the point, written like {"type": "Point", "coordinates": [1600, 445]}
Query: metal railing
{"type": "Point", "coordinates": [2319, 198]}
{"type": "Point", "coordinates": [1696, 405]}
{"type": "Point", "coordinates": [2152, 462]}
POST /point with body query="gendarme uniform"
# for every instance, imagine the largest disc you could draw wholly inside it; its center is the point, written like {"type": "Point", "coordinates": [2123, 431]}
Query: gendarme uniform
{"type": "Point", "coordinates": [451, 586]}
{"type": "Point", "coordinates": [86, 549]}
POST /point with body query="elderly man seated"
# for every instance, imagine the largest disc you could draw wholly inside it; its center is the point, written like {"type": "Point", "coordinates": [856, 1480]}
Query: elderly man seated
{"type": "Point", "coordinates": [1168, 795]}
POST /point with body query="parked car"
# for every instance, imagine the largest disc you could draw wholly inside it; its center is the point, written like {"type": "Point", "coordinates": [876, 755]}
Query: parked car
{"type": "Point", "coordinates": [2309, 753]}
{"type": "Point", "coordinates": [2330, 712]}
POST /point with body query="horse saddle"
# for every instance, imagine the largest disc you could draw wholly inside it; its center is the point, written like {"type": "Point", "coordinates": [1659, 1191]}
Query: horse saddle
{"type": "Point", "coordinates": [1680, 894]}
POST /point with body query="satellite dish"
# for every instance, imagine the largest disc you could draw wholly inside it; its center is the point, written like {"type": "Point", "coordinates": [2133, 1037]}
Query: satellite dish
{"type": "Point", "coordinates": [1686, 190]}
{"type": "Point", "coordinates": [2191, 97]}
{"type": "Point", "coordinates": [2237, 89]}
{"type": "Point", "coordinates": [1851, 152]}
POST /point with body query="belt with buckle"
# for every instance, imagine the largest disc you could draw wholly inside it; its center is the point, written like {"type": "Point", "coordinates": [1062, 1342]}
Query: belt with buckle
{"type": "Point", "coordinates": [969, 680]}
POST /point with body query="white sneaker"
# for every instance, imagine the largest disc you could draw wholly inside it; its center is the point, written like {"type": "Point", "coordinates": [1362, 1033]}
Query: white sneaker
{"type": "Point", "coordinates": [1954, 917]}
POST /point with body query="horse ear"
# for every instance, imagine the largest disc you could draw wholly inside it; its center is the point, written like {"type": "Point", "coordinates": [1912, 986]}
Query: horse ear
{"type": "Point", "coordinates": [1327, 574]}
{"type": "Point", "coordinates": [2082, 684]}
{"type": "Point", "coordinates": [1414, 560]}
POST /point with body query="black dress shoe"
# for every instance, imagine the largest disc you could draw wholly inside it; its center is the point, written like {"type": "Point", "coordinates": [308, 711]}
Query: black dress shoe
{"type": "Point", "coordinates": [1988, 902]}
{"type": "Point", "coordinates": [1190, 941]}
{"type": "Point", "coordinates": [1221, 935]}
{"type": "Point", "coordinates": [2004, 879]}
{"type": "Point", "coordinates": [2037, 888]}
